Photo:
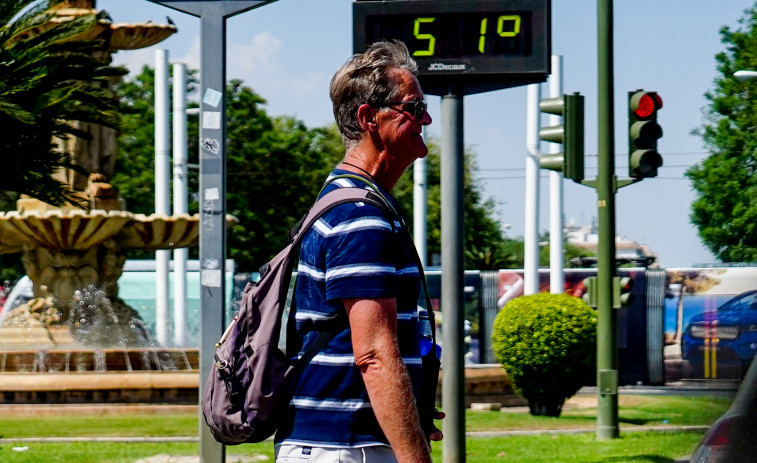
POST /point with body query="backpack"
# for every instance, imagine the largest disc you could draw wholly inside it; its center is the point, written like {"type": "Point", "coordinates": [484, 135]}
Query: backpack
{"type": "Point", "coordinates": [252, 383]}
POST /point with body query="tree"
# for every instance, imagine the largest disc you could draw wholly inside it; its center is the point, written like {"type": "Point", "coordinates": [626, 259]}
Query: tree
{"type": "Point", "coordinates": [725, 208]}
{"type": "Point", "coordinates": [134, 174]}
{"type": "Point", "coordinates": [48, 81]}
{"type": "Point", "coordinates": [483, 235]}
{"type": "Point", "coordinates": [275, 168]}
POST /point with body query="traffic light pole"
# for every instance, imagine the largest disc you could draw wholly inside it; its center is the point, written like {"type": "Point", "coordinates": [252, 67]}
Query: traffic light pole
{"type": "Point", "coordinates": [607, 373]}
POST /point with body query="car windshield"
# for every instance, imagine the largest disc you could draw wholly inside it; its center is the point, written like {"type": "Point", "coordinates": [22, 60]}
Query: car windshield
{"type": "Point", "coordinates": [740, 302]}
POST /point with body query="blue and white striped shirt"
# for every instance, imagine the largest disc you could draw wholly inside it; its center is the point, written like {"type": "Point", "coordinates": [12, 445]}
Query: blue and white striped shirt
{"type": "Point", "coordinates": [354, 251]}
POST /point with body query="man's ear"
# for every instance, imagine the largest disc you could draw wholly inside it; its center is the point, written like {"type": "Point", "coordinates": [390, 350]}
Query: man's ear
{"type": "Point", "coordinates": [366, 115]}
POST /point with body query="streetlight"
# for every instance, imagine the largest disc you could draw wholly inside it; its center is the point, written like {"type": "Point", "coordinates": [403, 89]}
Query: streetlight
{"type": "Point", "coordinates": [745, 75]}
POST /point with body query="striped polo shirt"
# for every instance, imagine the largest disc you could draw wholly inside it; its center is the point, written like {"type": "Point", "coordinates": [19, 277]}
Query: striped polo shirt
{"type": "Point", "coordinates": [355, 250]}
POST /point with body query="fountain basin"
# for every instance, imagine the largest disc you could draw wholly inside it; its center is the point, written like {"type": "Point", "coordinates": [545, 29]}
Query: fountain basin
{"type": "Point", "coordinates": [98, 360]}
{"type": "Point", "coordinates": [79, 376]}
{"type": "Point", "coordinates": [176, 387]}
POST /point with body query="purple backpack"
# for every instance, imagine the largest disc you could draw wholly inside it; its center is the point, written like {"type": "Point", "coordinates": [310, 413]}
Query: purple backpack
{"type": "Point", "coordinates": [251, 386]}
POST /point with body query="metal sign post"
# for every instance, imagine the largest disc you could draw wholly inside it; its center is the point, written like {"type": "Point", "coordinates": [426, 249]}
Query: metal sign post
{"type": "Point", "coordinates": [213, 15]}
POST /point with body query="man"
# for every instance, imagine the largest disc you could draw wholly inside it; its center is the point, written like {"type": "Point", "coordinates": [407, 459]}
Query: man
{"type": "Point", "coordinates": [355, 401]}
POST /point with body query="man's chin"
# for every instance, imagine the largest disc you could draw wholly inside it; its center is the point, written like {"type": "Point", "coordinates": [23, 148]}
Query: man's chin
{"type": "Point", "coordinates": [422, 152]}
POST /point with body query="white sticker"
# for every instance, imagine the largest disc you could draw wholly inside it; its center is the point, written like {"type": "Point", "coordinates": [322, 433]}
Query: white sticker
{"type": "Point", "coordinates": [211, 264]}
{"type": "Point", "coordinates": [210, 144]}
{"type": "Point", "coordinates": [211, 194]}
{"type": "Point", "coordinates": [210, 278]}
{"type": "Point", "coordinates": [212, 97]}
{"type": "Point", "coordinates": [211, 119]}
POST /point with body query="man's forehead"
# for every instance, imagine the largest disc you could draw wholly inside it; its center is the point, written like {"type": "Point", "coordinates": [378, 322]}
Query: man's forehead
{"type": "Point", "coordinates": [407, 82]}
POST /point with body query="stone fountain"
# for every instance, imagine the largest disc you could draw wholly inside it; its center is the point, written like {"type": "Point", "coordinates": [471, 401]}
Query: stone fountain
{"type": "Point", "coordinates": [75, 257]}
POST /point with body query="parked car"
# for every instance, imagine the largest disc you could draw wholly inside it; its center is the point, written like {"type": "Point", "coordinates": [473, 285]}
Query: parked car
{"type": "Point", "coordinates": [732, 437]}
{"type": "Point", "coordinates": [722, 342]}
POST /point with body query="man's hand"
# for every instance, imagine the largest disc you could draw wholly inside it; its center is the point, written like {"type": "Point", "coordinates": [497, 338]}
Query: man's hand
{"type": "Point", "coordinates": [436, 434]}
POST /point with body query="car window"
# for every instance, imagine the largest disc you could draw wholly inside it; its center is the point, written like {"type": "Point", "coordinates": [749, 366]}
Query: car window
{"type": "Point", "coordinates": [740, 302]}
{"type": "Point", "coordinates": [752, 303]}
{"type": "Point", "coordinates": [731, 304]}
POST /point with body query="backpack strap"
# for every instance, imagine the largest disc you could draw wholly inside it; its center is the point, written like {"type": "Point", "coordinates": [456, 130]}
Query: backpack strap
{"type": "Point", "coordinates": [327, 202]}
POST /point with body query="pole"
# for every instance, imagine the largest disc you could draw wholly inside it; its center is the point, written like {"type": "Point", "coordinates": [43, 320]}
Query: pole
{"type": "Point", "coordinates": [162, 195]}
{"type": "Point", "coordinates": [420, 188]}
{"type": "Point", "coordinates": [531, 230]}
{"type": "Point", "coordinates": [556, 258]}
{"type": "Point", "coordinates": [453, 371]}
{"type": "Point", "coordinates": [180, 200]}
{"type": "Point", "coordinates": [607, 373]}
{"type": "Point", "coordinates": [212, 204]}
{"type": "Point", "coordinates": [212, 14]}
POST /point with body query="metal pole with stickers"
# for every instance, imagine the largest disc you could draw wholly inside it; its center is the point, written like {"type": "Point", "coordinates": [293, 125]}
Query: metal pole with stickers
{"type": "Point", "coordinates": [213, 15]}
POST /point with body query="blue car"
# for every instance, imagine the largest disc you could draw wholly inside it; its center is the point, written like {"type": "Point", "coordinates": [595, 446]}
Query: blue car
{"type": "Point", "coordinates": [721, 344]}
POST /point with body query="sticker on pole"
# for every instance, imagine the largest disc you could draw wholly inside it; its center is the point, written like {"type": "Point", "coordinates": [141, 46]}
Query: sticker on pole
{"type": "Point", "coordinates": [210, 278]}
{"type": "Point", "coordinates": [212, 145]}
{"type": "Point", "coordinates": [211, 119]}
{"type": "Point", "coordinates": [212, 97]}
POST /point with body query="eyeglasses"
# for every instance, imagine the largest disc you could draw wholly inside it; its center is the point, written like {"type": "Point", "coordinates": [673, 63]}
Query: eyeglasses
{"type": "Point", "coordinates": [418, 108]}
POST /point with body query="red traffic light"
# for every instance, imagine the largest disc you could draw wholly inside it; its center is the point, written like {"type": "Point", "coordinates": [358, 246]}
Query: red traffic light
{"type": "Point", "coordinates": [648, 103]}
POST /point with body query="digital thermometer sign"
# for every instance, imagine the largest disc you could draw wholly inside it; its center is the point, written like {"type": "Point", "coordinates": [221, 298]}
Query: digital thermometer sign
{"type": "Point", "coordinates": [466, 46]}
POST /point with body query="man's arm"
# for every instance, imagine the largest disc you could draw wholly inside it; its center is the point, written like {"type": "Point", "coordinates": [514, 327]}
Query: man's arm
{"type": "Point", "coordinates": [373, 323]}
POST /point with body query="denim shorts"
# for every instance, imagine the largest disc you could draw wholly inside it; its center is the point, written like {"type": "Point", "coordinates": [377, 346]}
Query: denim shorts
{"type": "Point", "coordinates": [304, 454]}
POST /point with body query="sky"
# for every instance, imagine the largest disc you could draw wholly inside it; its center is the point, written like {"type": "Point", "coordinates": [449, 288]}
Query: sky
{"type": "Point", "coordinates": [288, 50]}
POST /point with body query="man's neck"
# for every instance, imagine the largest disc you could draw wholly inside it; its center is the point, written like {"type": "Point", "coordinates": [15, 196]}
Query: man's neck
{"type": "Point", "coordinates": [367, 161]}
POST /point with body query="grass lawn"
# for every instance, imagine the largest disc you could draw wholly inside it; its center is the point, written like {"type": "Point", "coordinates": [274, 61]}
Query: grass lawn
{"type": "Point", "coordinates": [634, 411]}
{"type": "Point", "coordinates": [652, 447]}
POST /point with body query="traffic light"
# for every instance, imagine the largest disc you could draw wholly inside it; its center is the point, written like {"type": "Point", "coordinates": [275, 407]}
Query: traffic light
{"type": "Point", "coordinates": [643, 132]}
{"type": "Point", "coordinates": [621, 292]}
{"type": "Point", "coordinates": [590, 295]}
{"type": "Point", "coordinates": [570, 133]}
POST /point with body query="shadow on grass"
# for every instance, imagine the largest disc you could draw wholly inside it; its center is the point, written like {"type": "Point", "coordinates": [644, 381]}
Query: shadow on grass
{"type": "Point", "coordinates": [636, 421]}
{"type": "Point", "coordinates": [591, 415]}
{"type": "Point", "coordinates": [640, 459]}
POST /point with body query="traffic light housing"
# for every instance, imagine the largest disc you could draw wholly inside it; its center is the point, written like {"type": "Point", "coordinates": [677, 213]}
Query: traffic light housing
{"type": "Point", "coordinates": [570, 133]}
{"type": "Point", "coordinates": [643, 133]}
{"type": "Point", "coordinates": [590, 295]}
{"type": "Point", "coordinates": [621, 292]}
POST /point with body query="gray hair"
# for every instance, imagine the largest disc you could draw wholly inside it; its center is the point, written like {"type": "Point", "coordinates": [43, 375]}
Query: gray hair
{"type": "Point", "coordinates": [366, 79]}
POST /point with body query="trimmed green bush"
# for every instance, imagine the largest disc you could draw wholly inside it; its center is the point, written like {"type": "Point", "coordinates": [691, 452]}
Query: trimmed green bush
{"type": "Point", "coordinates": [547, 345]}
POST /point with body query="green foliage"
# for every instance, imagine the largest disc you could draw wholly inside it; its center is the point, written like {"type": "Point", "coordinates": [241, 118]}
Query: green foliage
{"type": "Point", "coordinates": [483, 235]}
{"type": "Point", "coordinates": [725, 208]}
{"type": "Point", "coordinates": [509, 253]}
{"type": "Point", "coordinates": [570, 251]}
{"type": "Point", "coordinates": [489, 257]}
{"type": "Point", "coordinates": [48, 81]}
{"type": "Point", "coordinates": [275, 168]}
{"type": "Point", "coordinates": [547, 345]}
